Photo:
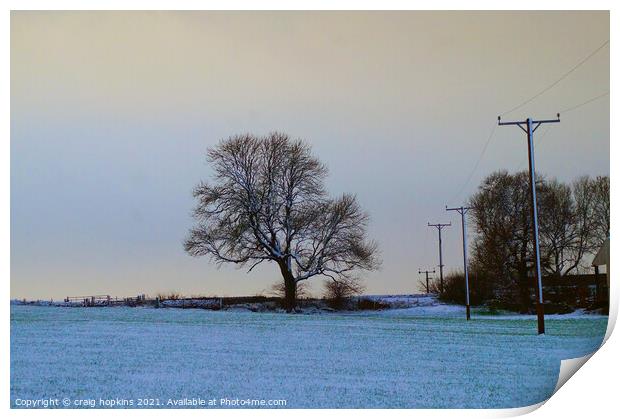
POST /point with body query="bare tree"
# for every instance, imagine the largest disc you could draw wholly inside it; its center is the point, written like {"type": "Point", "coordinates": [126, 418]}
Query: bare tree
{"type": "Point", "coordinates": [557, 227]}
{"type": "Point", "coordinates": [268, 203]}
{"type": "Point", "coordinates": [502, 248]}
{"type": "Point", "coordinates": [601, 210]}
{"type": "Point", "coordinates": [422, 285]}
{"type": "Point", "coordinates": [337, 291]}
{"type": "Point", "coordinates": [573, 223]}
{"type": "Point", "coordinates": [591, 220]}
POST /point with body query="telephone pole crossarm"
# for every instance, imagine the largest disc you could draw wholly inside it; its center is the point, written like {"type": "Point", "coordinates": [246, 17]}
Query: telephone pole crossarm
{"type": "Point", "coordinates": [420, 271]}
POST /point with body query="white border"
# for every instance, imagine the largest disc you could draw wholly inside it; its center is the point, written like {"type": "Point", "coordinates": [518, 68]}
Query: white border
{"type": "Point", "coordinates": [593, 393]}
{"type": "Point", "coordinates": [306, 5]}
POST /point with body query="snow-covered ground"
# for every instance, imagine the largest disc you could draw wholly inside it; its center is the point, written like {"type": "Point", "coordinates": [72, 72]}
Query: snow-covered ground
{"type": "Point", "coordinates": [417, 304]}
{"type": "Point", "coordinates": [427, 305]}
{"type": "Point", "coordinates": [423, 356]}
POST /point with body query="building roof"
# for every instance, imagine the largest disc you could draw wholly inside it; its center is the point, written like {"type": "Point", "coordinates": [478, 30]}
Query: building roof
{"type": "Point", "coordinates": [602, 256]}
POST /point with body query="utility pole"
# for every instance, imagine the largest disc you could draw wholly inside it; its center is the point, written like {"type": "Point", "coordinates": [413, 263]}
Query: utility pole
{"type": "Point", "coordinates": [529, 126]}
{"type": "Point", "coordinates": [427, 278]}
{"type": "Point", "coordinates": [463, 211]}
{"type": "Point", "coordinates": [439, 226]}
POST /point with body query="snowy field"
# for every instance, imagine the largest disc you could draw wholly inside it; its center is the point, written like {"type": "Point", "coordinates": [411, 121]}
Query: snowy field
{"type": "Point", "coordinates": [416, 357]}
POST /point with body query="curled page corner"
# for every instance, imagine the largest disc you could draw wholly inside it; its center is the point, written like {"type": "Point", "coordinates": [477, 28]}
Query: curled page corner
{"type": "Point", "coordinates": [568, 367]}
{"type": "Point", "coordinates": [519, 411]}
{"type": "Point", "coordinates": [612, 316]}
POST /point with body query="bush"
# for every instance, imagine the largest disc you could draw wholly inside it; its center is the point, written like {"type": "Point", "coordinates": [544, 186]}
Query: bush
{"type": "Point", "coordinates": [558, 308]}
{"type": "Point", "coordinates": [338, 292]}
{"type": "Point", "coordinates": [368, 304]}
{"type": "Point", "coordinates": [172, 295]}
{"type": "Point", "coordinates": [480, 289]}
{"type": "Point", "coordinates": [496, 305]}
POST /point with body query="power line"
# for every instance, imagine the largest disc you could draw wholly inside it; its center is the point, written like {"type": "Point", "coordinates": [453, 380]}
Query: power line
{"type": "Point", "coordinates": [486, 145]}
{"type": "Point", "coordinates": [546, 89]}
{"type": "Point", "coordinates": [471, 174]}
{"type": "Point", "coordinates": [572, 108]}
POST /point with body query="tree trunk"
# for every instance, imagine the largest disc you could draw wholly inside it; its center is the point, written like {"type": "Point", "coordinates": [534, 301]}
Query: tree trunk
{"type": "Point", "coordinates": [524, 296]}
{"type": "Point", "coordinates": [524, 291]}
{"type": "Point", "coordinates": [290, 288]}
{"type": "Point", "coordinates": [290, 299]}
{"type": "Point", "coordinates": [523, 281]}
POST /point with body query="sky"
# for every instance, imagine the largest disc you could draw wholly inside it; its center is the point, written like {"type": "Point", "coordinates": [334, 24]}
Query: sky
{"type": "Point", "coordinates": [112, 113]}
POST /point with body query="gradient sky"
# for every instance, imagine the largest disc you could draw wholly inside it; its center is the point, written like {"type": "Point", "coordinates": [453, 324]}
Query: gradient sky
{"type": "Point", "coordinates": [111, 114]}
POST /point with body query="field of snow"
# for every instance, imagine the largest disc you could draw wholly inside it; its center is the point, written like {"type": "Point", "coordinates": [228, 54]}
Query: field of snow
{"type": "Point", "coordinates": [396, 358]}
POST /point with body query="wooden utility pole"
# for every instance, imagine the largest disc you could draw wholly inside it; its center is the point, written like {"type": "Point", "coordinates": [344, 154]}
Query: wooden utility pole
{"type": "Point", "coordinates": [463, 210]}
{"type": "Point", "coordinates": [427, 278]}
{"type": "Point", "coordinates": [439, 226]}
{"type": "Point", "coordinates": [529, 126]}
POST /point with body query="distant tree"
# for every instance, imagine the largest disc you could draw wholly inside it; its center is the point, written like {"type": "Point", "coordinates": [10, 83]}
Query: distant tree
{"type": "Point", "coordinates": [503, 241]}
{"type": "Point", "coordinates": [480, 288]}
{"type": "Point", "coordinates": [422, 285]}
{"type": "Point", "coordinates": [573, 223]}
{"type": "Point", "coordinates": [172, 295]}
{"type": "Point", "coordinates": [601, 210]}
{"type": "Point", "coordinates": [268, 203]}
{"type": "Point", "coordinates": [557, 227]}
{"type": "Point", "coordinates": [339, 290]}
